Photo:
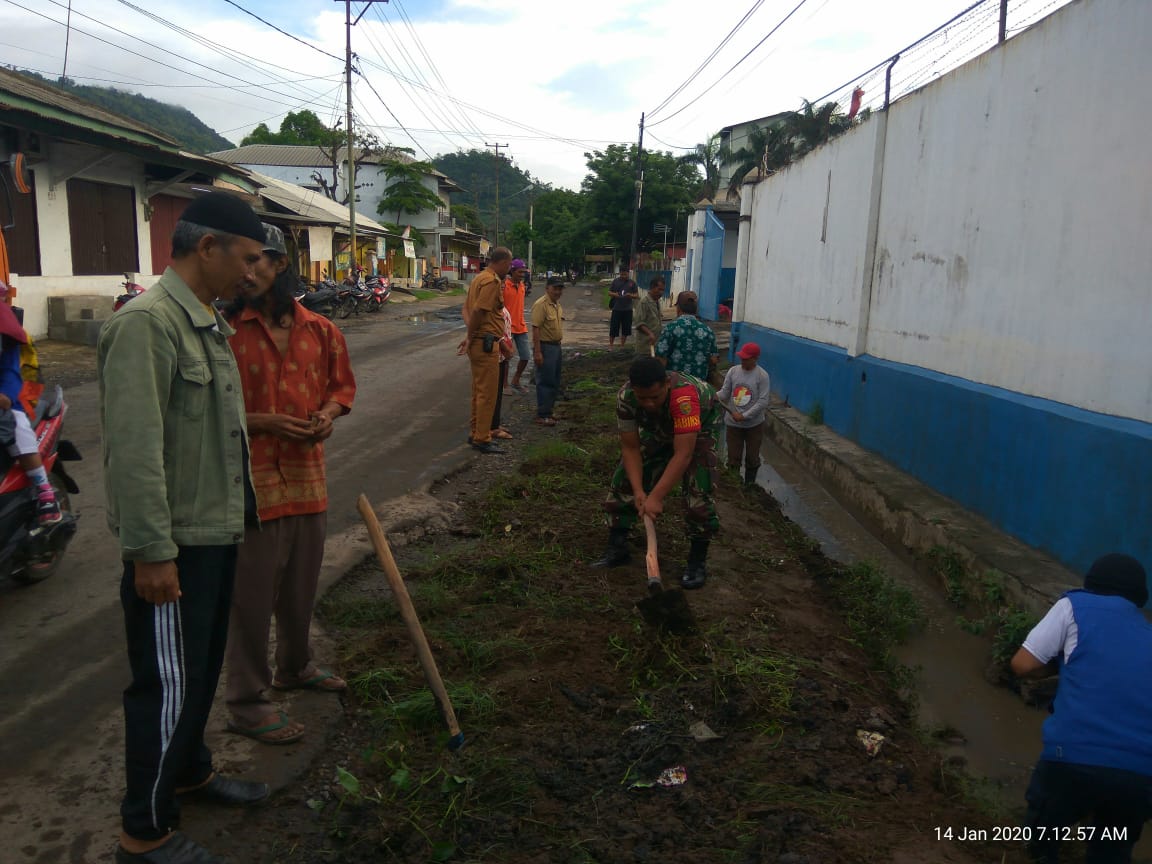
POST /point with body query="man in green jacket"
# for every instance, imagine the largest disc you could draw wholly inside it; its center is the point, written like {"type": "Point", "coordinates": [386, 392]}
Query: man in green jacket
{"type": "Point", "coordinates": [179, 494]}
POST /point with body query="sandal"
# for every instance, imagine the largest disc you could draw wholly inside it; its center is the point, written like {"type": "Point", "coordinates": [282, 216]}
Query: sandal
{"type": "Point", "coordinates": [266, 734]}
{"type": "Point", "coordinates": [322, 680]}
{"type": "Point", "coordinates": [545, 421]}
{"type": "Point", "coordinates": [502, 434]}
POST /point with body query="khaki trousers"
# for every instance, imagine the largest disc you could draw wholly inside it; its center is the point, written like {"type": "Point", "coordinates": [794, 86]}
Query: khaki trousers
{"type": "Point", "coordinates": [277, 570]}
{"type": "Point", "coordinates": [485, 389]}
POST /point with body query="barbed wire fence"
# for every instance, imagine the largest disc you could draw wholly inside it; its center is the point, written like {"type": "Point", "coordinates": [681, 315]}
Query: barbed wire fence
{"type": "Point", "coordinates": [966, 36]}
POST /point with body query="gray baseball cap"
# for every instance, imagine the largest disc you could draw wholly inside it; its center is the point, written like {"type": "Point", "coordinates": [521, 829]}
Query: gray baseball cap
{"type": "Point", "coordinates": [274, 240]}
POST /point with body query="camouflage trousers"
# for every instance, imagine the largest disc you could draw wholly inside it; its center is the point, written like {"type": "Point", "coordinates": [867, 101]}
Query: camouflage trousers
{"type": "Point", "coordinates": [699, 479]}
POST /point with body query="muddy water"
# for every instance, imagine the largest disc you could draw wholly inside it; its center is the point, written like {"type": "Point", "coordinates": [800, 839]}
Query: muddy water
{"type": "Point", "coordinates": [999, 735]}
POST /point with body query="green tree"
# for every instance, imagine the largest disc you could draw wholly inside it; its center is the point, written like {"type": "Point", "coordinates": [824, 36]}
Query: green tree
{"type": "Point", "coordinates": [610, 194]}
{"type": "Point", "coordinates": [518, 236]}
{"type": "Point", "coordinates": [469, 216]}
{"type": "Point", "coordinates": [811, 126]}
{"type": "Point", "coordinates": [766, 150]}
{"type": "Point", "coordinates": [560, 229]}
{"type": "Point", "coordinates": [476, 171]}
{"type": "Point", "coordinates": [706, 157]}
{"type": "Point", "coordinates": [406, 192]}
{"type": "Point", "coordinates": [297, 128]}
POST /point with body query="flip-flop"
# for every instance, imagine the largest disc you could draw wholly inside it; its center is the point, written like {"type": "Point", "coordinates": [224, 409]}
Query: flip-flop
{"type": "Point", "coordinates": [502, 434]}
{"type": "Point", "coordinates": [545, 421]}
{"type": "Point", "coordinates": [324, 680]}
{"type": "Point", "coordinates": [263, 734]}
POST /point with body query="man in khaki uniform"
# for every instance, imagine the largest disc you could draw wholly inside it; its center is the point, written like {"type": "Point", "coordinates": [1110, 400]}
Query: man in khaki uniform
{"type": "Point", "coordinates": [547, 334]}
{"type": "Point", "coordinates": [485, 320]}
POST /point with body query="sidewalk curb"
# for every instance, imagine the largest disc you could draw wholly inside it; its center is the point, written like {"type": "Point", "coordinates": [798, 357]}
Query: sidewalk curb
{"type": "Point", "coordinates": [907, 513]}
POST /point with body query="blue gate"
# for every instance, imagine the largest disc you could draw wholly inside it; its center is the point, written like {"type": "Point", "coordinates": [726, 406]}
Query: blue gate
{"type": "Point", "coordinates": [710, 261]}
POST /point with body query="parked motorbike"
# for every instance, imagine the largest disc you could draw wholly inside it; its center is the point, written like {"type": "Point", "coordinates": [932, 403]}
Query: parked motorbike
{"type": "Point", "coordinates": [30, 552]}
{"type": "Point", "coordinates": [131, 291]}
{"type": "Point", "coordinates": [379, 290]}
{"type": "Point", "coordinates": [320, 300]}
{"type": "Point", "coordinates": [437, 283]}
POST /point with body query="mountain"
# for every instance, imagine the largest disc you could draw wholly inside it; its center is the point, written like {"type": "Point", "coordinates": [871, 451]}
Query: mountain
{"type": "Point", "coordinates": [175, 122]}
{"type": "Point", "coordinates": [475, 171]}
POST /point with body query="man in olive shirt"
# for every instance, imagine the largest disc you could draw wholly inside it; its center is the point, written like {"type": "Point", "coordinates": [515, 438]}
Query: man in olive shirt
{"type": "Point", "coordinates": [485, 319]}
{"type": "Point", "coordinates": [648, 321]}
{"type": "Point", "coordinates": [547, 334]}
{"type": "Point", "coordinates": [179, 493]}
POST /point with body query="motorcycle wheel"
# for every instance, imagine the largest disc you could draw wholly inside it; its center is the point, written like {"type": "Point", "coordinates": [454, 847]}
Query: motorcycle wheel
{"type": "Point", "coordinates": [344, 307]}
{"type": "Point", "coordinates": [32, 574]}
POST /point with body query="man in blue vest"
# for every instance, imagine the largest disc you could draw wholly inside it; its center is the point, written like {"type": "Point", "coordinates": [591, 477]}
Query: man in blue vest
{"type": "Point", "coordinates": [1096, 765]}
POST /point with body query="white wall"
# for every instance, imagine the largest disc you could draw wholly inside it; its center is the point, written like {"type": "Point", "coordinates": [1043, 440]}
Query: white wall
{"type": "Point", "coordinates": [1012, 237]}
{"type": "Point", "coordinates": [805, 278]}
{"type": "Point", "coordinates": [32, 292]}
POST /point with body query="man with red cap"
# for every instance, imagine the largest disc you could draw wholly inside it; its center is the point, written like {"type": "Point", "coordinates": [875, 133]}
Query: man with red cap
{"type": "Point", "coordinates": [1096, 765]}
{"type": "Point", "coordinates": [746, 391]}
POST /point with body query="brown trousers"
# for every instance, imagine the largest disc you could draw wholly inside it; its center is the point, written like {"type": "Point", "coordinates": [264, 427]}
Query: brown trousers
{"type": "Point", "coordinates": [277, 570]}
{"type": "Point", "coordinates": [485, 389]}
{"type": "Point", "coordinates": [744, 445]}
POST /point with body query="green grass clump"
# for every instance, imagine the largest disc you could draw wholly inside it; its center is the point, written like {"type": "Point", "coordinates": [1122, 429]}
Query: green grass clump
{"type": "Point", "coordinates": [880, 613]}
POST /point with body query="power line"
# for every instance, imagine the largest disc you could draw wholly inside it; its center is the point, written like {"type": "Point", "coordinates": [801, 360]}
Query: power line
{"type": "Point", "coordinates": [126, 50]}
{"type": "Point", "coordinates": [731, 69]}
{"type": "Point", "coordinates": [326, 96]}
{"type": "Point", "coordinates": [709, 58]}
{"type": "Point", "coordinates": [673, 146]}
{"type": "Point", "coordinates": [394, 117]}
{"type": "Point", "coordinates": [285, 32]}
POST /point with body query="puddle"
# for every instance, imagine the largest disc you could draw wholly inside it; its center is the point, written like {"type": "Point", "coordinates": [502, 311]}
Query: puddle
{"type": "Point", "coordinates": [441, 317]}
{"type": "Point", "coordinates": [1002, 735]}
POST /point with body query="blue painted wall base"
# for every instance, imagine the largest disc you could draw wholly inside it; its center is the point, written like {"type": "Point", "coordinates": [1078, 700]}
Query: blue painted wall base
{"type": "Point", "coordinates": [1071, 482]}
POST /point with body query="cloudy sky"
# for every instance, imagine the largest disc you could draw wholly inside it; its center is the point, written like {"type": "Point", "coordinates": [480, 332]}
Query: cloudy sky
{"type": "Point", "coordinates": [550, 78]}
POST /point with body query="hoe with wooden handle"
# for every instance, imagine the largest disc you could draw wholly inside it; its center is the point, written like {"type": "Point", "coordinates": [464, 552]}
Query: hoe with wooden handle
{"type": "Point", "coordinates": [411, 621]}
{"type": "Point", "coordinates": [666, 610]}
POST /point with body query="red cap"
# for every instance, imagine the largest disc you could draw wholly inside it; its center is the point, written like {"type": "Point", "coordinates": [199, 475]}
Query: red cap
{"type": "Point", "coordinates": [750, 351]}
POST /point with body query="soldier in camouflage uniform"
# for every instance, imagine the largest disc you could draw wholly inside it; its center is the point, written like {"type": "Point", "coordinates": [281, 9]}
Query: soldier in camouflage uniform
{"type": "Point", "coordinates": [669, 423]}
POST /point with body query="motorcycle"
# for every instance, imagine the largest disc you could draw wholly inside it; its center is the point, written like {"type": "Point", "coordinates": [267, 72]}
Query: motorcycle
{"type": "Point", "coordinates": [379, 290]}
{"type": "Point", "coordinates": [131, 291]}
{"type": "Point", "coordinates": [320, 300]}
{"type": "Point", "coordinates": [30, 552]}
{"type": "Point", "coordinates": [437, 283]}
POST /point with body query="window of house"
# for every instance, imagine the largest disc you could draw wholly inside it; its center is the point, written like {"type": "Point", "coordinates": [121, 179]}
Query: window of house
{"type": "Point", "coordinates": [448, 260]}
{"type": "Point", "coordinates": [22, 238]}
{"type": "Point", "coordinates": [102, 222]}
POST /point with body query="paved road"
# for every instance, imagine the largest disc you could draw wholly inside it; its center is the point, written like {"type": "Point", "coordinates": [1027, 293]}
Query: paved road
{"type": "Point", "coordinates": [62, 661]}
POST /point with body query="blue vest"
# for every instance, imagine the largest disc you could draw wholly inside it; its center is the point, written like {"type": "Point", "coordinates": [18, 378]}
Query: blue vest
{"type": "Point", "coordinates": [1103, 710]}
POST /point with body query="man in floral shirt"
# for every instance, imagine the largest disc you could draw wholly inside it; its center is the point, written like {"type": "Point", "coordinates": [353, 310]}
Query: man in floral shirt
{"type": "Point", "coordinates": [669, 424]}
{"type": "Point", "coordinates": [688, 344]}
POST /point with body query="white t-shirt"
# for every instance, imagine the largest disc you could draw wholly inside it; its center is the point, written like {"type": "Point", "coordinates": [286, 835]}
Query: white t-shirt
{"type": "Point", "coordinates": [1057, 632]}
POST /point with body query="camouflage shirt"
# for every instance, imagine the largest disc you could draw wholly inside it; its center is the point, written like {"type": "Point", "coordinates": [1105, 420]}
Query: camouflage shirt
{"type": "Point", "coordinates": [691, 408]}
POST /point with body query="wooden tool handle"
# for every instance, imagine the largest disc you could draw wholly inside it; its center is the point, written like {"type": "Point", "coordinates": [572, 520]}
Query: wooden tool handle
{"type": "Point", "coordinates": [651, 559]}
{"type": "Point", "coordinates": [411, 621]}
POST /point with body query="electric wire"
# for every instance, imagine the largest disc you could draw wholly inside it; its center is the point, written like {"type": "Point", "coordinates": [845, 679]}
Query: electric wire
{"type": "Point", "coordinates": [134, 53]}
{"type": "Point", "coordinates": [285, 32]}
{"type": "Point", "coordinates": [732, 68]}
{"type": "Point", "coordinates": [752, 11]}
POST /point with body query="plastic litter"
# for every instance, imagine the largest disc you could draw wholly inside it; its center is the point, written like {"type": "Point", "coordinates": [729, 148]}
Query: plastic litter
{"type": "Point", "coordinates": [674, 776]}
{"type": "Point", "coordinates": [872, 741]}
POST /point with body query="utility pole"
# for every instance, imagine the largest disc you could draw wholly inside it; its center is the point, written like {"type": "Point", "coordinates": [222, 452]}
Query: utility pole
{"type": "Point", "coordinates": [639, 192]}
{"type": "Point", "coordinates": [68, 38]}
{"type": "Point", "coordinates": [350, 165]}
{"type": "Point", "coordinates": [496, 236]}
{"type": "Point", "coordinates": [531, 207]}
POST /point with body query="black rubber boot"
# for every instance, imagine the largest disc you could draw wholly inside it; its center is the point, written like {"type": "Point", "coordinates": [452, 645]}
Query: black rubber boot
{"type": "Point", "coordinates": [696, 573]}
{"type": "Point", "coordinates": [617, 552]}
{"type": "Point", "coordinates": [750, 475]}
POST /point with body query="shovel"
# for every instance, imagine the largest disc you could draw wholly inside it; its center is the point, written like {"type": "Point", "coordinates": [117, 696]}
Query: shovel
{"type": "Point", "coordinates": [666, 610]}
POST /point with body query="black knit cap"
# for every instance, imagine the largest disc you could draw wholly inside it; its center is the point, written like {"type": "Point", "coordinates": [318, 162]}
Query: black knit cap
{"type": "Point", "coordinates": [225, 213]}
{"type": "Point", "coordinates": [1119, 575]}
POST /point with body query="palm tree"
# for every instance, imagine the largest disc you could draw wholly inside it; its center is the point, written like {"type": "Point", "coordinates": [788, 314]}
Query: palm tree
{"type": "Point", "coordinates": [811, 126]}
{"type": "Point", "coordinates": [767, 149]}
{"type": "Point", "coordinates": [707, 157]}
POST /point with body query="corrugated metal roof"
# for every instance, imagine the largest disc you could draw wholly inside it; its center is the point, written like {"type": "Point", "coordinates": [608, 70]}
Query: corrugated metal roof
{"type": "Point", "coordinates": [312, 205]}
{"type": "Point", "coordinates": [308, 156]}
{"type": "Point", "coordinates": [20, 93]}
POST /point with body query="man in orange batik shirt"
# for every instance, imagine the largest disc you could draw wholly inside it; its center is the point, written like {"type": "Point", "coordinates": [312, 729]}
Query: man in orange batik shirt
{"type": "Point", "coordinates": [297, 380]}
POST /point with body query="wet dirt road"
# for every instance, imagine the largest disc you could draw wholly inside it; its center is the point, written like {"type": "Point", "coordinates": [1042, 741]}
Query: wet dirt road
{"type": "Point", "coordinates": [62, 662]}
